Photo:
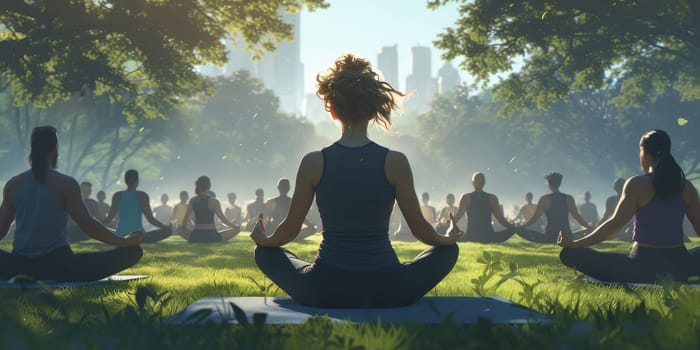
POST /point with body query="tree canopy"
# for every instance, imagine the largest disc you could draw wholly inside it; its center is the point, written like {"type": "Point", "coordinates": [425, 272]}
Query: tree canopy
{"type": "Point", "coordinates": [577, 45]}
{"type": "Point", "coordinates": [141, 53]}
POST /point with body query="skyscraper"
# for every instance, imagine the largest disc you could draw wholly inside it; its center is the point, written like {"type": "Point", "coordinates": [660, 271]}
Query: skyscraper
{"type": "Point", "coordinates": [282, 70]}
{"type": "Point", "coordinates": [420, 85]}
{"type": "Point", "coordinates": [388, 64]}
{"type": "Point", "coordinates": [448, 78]}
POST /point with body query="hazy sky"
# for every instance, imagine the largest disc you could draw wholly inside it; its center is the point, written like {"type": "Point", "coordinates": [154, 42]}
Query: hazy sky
{"type": "Point", "coordinates": [364, 26]}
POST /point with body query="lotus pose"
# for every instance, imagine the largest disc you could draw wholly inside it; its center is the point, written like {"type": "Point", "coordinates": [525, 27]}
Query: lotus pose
{"type": "Point", "coordinates": [356, 182]}
{"type": "Point", "coordinates": [41, 200]}
{"type": "Point", "coordinates": [657, 200]}
{"type": "Point", "coordinates": [204, 206]}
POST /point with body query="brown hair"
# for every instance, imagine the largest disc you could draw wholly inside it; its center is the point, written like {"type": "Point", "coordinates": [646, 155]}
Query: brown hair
{"type": "Point", "coordinates": [354, 91]}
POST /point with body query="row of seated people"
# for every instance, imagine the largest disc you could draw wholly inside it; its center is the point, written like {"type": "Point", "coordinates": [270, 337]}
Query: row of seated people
{"type": "Point", "coordinates": [355, 183]}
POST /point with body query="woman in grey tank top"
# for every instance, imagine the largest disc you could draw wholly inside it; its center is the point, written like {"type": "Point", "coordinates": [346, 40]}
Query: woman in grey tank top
{"type": "Point", "coordinates": [40, 200]}
{"type": "Point", "coordinates": [355, 182]}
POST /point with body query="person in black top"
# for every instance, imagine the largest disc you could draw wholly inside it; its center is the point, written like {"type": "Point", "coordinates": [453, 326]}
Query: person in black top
{"type": "Point", "coordinates": [203, 206]}
{"type": "Point", "coordinates": [556, 206]}
{"type": "Point", "coordinates": [479, 206]}
{"type": "Point", "coordinates": [355, 182]}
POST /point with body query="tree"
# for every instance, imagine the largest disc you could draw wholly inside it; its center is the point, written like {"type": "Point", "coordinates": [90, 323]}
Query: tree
{"type": "Point", "coordinates": [577, 45]}
{"type": "Point", "coordinates": [141, 53]}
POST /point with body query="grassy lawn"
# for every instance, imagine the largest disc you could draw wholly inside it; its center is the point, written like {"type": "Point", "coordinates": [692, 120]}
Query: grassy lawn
{"type": "Point", "coordinates": [116, 317]}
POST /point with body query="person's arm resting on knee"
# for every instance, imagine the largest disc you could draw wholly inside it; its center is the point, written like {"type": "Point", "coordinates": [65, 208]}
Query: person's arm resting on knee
{"type": "Point", "coordinates": [399, 174]}
{"type": "Point", "coordinates": [308, 176]}
{"type": "Point", "coordinates": [624, 212]}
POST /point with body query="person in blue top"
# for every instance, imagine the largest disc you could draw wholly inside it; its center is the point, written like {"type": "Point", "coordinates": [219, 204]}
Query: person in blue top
{"type": "Point", "coordinates": [355, 182]}
{"type": "Point", "coordinates": [657, 202]}
{"type": "Point", "coordinates": [40, 200]}
{"type": "Point", "coordinates": [131, 204]}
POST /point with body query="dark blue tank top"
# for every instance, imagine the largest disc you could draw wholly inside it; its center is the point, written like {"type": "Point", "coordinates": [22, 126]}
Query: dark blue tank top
{"type": "Point", "coordinates": [355, 201]}
{"type": "Point", "coordinates": [479, 212]}
{"type": "Point", "coordinates": [557, 214]}
{"type": "Point", "coordinates": [202, 214]}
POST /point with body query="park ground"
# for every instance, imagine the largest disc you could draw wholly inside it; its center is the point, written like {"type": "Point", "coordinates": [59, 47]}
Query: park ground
{"type": "Point", "coordinates": [131, 315]}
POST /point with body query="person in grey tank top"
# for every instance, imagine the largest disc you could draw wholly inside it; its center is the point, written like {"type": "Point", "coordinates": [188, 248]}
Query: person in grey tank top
{"type": "Point", "coordinates": [131, 204]}
{"type": "Point", "coordinates": [355, 182]}
{"type": "Point", "coordinates": [557, 207]}
{"type": "Point", "coordinates": [480, 206]}
{"type": "Point", "coordinates": [40, 200]}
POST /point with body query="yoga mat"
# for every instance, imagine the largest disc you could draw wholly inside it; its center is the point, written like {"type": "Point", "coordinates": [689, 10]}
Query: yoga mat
{"type": "Point", "coordinates": [589, 279]}
{"type": "Point", "coordinates": [56, 285]}
{"type": "Point", "coordinates": [429, 310]}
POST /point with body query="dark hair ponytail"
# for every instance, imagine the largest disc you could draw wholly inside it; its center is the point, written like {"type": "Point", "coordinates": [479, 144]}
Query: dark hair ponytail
{"type": "Point", "coordinates": [668, 177]}
{"type": "Point", "coordinates": [43, 142]}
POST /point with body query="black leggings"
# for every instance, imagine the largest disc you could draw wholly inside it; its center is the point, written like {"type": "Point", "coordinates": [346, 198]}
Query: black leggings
{"type": "Point", "coordinates": [487, 236]}
{"type": "Point", "coordinates": [205, 236]}
{"type": "Point", "coordinates": [61, 264]}
{"type": "Point", "coordinates": [539, 237]}
{"type": "Point", "coordinates": [320, 285]}
{"type": "Point", "coordinates": [642, 265]}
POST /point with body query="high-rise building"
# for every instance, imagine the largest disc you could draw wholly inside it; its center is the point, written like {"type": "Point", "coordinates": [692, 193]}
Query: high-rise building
{"type": "Point", "coordinates": [388, 64]}
{"type": "Point", "coordinates": [448, 78]}
{"type": "Point", "coordinates": [420, 85]}
{"type": "Point", "coordinates": [282, 70]}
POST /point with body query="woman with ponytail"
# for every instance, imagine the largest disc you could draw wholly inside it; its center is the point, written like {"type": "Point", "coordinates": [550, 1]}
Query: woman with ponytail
{"type": "Point", "coordinates": [355, 182]}
{"type": "Point", "coordinates": [657, 201]}
{"type": "Point", "coordinates": [39, 201]}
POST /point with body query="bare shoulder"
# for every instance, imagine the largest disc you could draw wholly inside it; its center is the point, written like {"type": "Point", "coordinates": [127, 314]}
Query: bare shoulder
{"type": "Point", "coordinates": [142, 196]}
{"type": "Point", "coordinates": [312, 159]}
{"type": "Point", "coordinates": [396, 157]}
{"type": "Point", "coordinates": [690, 193]}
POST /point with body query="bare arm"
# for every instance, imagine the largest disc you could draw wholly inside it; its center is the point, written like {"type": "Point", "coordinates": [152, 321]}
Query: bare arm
{"type": "Point", "coordinates": [624, 212]}
{"type": "Point", "coordinates": [7, 208]}
{"type": "Point", "coordinates": [692, 210]}
{"type": "Point", "coordinates": [112, 209]}
{"type": "Point", "coordinates": [186, 219]}
{"type": "Point", "coordinates": [496, 210]}
{"type": "Point", "coordinates": [573, 209]}
{"type": "Point", "coordinates": [542, 205]}
{"type": "Point", "coordinates": [399, 174]}
{"type": "Point", "coordinates": [464, 203]}
{"type": "Point", "coordinates": [77, 210]}
{"type": "Point", "coordinates": [145, 204]}
{"type": "Point", "coordinates": [217, 209]}
{"type": "Point", "coordinates": [308, 175]}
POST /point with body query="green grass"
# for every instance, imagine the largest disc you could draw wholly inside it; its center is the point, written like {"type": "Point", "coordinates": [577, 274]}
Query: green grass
{"type": "Point", "coordinates": [585, 315]}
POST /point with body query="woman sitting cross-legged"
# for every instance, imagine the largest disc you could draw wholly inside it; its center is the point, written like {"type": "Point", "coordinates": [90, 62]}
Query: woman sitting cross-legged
{"type": "Point", "coordinates": [40, 200]}
{"type": "Point", "coordinates": [356, 182]}
{"type": "Point", "coordinates": [204, 207]}
{"type": "Point", "coordinates": [657, 201]}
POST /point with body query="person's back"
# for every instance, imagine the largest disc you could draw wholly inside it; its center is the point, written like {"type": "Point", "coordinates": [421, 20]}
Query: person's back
{"type": "Point", "coordinates": [277, 209]}
{"type": "Point", "coordinates": [589, 212]}
{"type": "Point", "coordinates": [660, 221]}
{"type": "Point", "coordinates": [479, 213]}
{"type": "Point", "coordinates": [355, 182]}
{"type": "Point", "coordinates": [130, 214]}
{"type": "Point", "coordinates": [355, 202]}
{"type": "Point", "coordinates": [557, 214]}
{"type": "Point", "coordinates": [203, 215]}
{"type": "Point", "coordinates": [40, 220]}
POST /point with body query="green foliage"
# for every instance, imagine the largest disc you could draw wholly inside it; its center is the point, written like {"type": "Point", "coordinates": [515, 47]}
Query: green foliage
{"type": "Point", "coordinates": [577, 45]}
{"type": "Point", "coordinates": [141, 53]}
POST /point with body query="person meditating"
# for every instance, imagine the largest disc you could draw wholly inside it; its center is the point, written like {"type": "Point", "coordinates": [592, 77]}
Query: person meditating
{"type": "Point", "coordinates": [131, 205]}
{"type": "Point", "coordinates": [657, 201]}
{"type": "Point", "coordinates": [356, 182]}
{"type": "Point", "coordinates": [203, 206]}
{"type": "Point", "coordinates": [556, 206]}
{"type": "Point", "coordinates": [41, 200]}
{"type": "Point", "coordinates": [479, 207]}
